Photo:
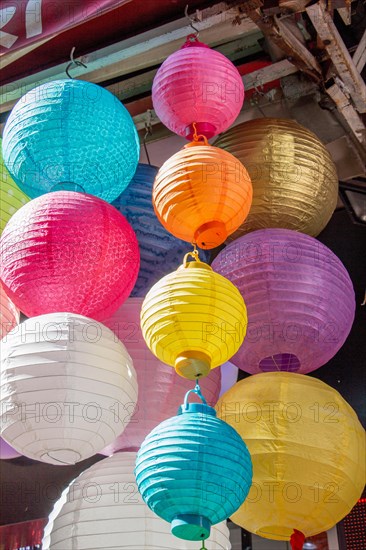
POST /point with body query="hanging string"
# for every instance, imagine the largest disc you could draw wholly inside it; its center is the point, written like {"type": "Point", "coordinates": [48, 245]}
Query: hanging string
{"type": "Point", "coordinates": [73, 63]}
{"type": "Point", "coordinates": [148, 132]}
{"type": "Point", "coordinates": [364, 300]}
{"type": "Point", "coordinates": [203, 547]}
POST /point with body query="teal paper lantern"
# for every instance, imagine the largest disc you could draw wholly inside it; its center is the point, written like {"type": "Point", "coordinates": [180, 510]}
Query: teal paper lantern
{"type": "Point", "coordinates": [71, 135]}
{"type": "Point", "coordinates": [193, 470]}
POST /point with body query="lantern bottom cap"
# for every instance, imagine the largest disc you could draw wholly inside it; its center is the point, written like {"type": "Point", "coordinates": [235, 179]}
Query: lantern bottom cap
{"type": "Point", "coordinates": [61, 456]}
{"type": "Point", "coordinates": [191, 527]}
{"type": "Point", "coordinates": [192, 365]}
{"type": "Point", "coordinates": [210, 234]}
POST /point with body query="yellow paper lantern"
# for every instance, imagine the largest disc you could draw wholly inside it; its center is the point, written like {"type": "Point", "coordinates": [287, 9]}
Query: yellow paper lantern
{"type": "Point", "coordinates": [295, 184]}
{"type": "Point", "coordinates": [11, 197]}
{"type": "Point", "coordinates": [308, 452]}
{"type": "Point", "coordinates": [202, 194]}
{"type": "Point", "coordinates": [193, 319]}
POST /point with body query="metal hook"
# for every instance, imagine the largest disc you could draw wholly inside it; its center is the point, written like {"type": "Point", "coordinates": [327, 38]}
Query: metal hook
{"type": "Point", "coordinates": [148, 128]}
{"type": "Point", "coordinates": [191, 21]}
{"type": "Point", "coordinates": [73, 62]}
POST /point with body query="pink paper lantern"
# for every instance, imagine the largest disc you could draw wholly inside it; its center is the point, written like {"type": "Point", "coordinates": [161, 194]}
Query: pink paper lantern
{"type": "Point", "coordinates": [299, 297]}
{"type": "Point", "coordinates": [161, 389]}
{"type": "Point", "coordinates": [197, 85]}
{"type": "Point", "coordinates": [6, 451]}
{"type": "Point", "coordinates": [9, 314]}
{"type": "Point", "coordinates": [68, 252]}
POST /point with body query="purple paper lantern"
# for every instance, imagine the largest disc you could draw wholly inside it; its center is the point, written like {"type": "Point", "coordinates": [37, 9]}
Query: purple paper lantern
{"type": "Point", "coordinates": [6, 451]}
{"type": "Point", "coordinates": [299, 297]}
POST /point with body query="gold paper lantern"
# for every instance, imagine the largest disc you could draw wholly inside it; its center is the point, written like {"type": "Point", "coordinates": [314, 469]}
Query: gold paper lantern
{"type": "Point", "coordinates": [193, 319]}
{"type": "Point", "coordinates": [295, 184]}
{"type": "Point", "coordinates": [308, 452]}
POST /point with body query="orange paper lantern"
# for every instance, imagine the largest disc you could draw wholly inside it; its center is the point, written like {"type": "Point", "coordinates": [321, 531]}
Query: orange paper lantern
{"type": "Point", "coordinates": [202, 194]}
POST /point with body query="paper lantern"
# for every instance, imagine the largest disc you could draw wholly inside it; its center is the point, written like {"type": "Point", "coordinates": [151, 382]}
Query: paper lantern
{"type": "Point", "coordinates": [193, 470]}
{"type": "Point", "coordinates": [160, 387]}
{"type": "Point", "coordinates": [68, 388]}
{"type": "Point", "coordinates": [11, 197]}
{"type": "Point", "coordinates": [6, 451]}
{"type": "Point", "coordinates": [202, 194]}
{"type": "Point", "coordinates": [193, 319]}
{"type": "Point", "coordinates": [299, 296]}
{"type": "Point", "coordinates": [308, 451]}
{"type": "Point", "coordinates": [197, 84]}
{"type": "Point", "coordinates": [9, 314]}
{"type": "Point", "coordinates": [295, 183]}
{"type": "Point", "coordinates": [103, 509]}
{"type": "Point", "coordinates": [160, 251]}
{"type": "Point", "coordinates": [74, 135]}
{"type": "Point", "coordinates": [67, 251]}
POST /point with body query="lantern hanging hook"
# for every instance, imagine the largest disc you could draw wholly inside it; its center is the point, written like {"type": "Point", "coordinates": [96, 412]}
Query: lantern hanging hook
{"type": "Point", "coordinates": [73, 63]}
{"type": "Point", "coordinates": [194, 254]}
{"type": "Point", "coordinates": [197, 391]}
{"type": "Point", "coordinates": [364, 300]}
{"type": "Point", "coordinates": [191, 21]}
{"type": "Point", "coordinates": [198, 137]}
{"type": "Point", "coordinates": [148, 132]}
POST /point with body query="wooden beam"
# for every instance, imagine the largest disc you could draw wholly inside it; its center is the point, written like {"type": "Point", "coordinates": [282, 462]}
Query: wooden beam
{"type": "Point", "coordinates": [274, 29]}
{"type": "Point", "coordinates": [359, 57]}
{"type": "Point", "coordinates": [348, 112]}
{"type": "Point", "coordinates": [338, 53]}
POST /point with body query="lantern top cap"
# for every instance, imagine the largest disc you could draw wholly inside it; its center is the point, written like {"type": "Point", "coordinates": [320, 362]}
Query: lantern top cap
{"type": "Point", "coordinates": [192, 41]}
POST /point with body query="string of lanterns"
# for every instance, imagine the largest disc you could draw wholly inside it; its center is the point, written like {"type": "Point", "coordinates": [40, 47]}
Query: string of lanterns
{"type": "Point", "coordinates": [70, 260]}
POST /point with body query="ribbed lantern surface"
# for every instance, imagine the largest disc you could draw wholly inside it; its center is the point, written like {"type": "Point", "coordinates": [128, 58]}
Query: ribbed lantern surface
{"type": "Point", "coordinates": [300, 300]}
{"type": "Point", "coordinates": [160, 387]}
{"type": "Point", "coordinates": [193, 470]}
{"type": "Point", "coordinates": [295, 183]}
{"type": "Point", "coordinates": [68, 388]}
{"type": "Point", "coordinates": [103, 509]}
{"type": "Point", "coordinates": [160, 251]}
{"type": "Point", "coordinates": [202, 194]}
{"type": "Point", "coordinates": [67, 251]}
{"type": "Point", "coordinates": [308, 451]}
{"type": "Point", "coordinates": [197, 84]}
{"type": "Point", "coordinates": [11, 197]}
{"type": "Point", "coordinates": [193, 319]}
{"type": "Point", "coordinates": [71, 134]}
{"type": "Point", "coordinates": [9, 314]}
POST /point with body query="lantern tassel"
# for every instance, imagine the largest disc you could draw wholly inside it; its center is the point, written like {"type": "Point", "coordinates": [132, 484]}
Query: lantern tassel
{"type": "Point", "coordinates": [297, 540]}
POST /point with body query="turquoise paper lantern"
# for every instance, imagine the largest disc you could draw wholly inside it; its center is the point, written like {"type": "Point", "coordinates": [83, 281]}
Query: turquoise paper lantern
{"type": "Point", "coordinates": [71, 135]}
{"type": "Point", "coordinates": [193, 470]}
{"type": "Point", "coordinates": [161, 253]}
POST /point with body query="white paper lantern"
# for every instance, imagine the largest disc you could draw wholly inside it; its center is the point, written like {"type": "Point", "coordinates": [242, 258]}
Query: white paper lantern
{"type": "Point", "coordinates": [102, 508]}
{"type": "Point", "coordinates": [68, 388]}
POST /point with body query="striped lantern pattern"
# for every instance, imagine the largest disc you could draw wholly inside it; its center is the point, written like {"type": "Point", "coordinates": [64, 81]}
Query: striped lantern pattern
{"type": "Point", "coordinates": [295, 183]}
{"type": "Point", "coordinates": [308, 452]}
{"type": "Point", "coordinates": [194, 471]}
{"type": "Point", "coordinates": [66, 251]}
{"type": "Point", "coordinates": [9, 314]}
{"type": "Point", "coordinates": [71, 135]}
{"type": "Point", "coordinates": [193, 319]}
{"type": "Point", "coordinates": [160, 387]}
{"type": "Point", "coordinates": [68, 388]}
{"type": "Point", "coordinates": [197, 84]}
{"type": "Point", "coordinates": [300, 300]}
{"type": "Point", "coordinates": [103, 509]}
{"type": "Point", "coordinates": [202, 194]}
{"type": "Point", "coordinates": [11, 197]}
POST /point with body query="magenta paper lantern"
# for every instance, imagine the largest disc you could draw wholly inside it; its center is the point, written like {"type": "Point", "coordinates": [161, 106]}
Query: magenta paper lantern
{"type": "Point", "coordinates": [197, 85]}
{"type": "Point", "coordinates": [299, 297]}
{"type": "Point", "coordinates": [6, 451]}
{"type": "Point", "coordinates": [161, 389]}
{"type": "Point", "coordinates": [9, 314]}
{"type": "Point", "coordinates": [68, 252]}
